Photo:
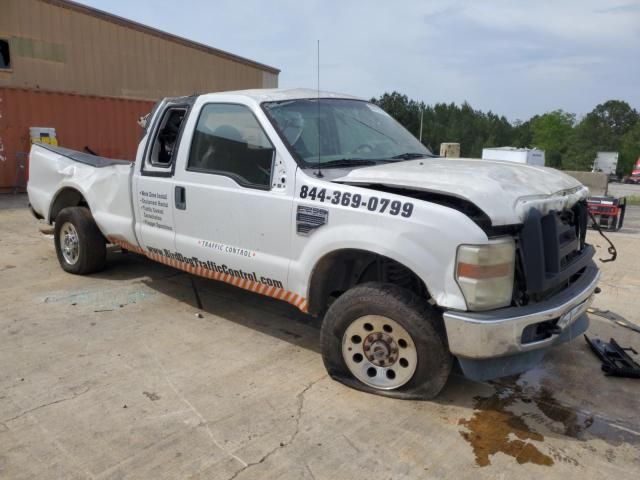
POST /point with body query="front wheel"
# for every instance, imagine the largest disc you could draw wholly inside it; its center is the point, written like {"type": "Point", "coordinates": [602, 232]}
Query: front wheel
{"type": "Point", "coordinates": [383, 339]}
{"type": "Point", "coordinates": [80, 246]}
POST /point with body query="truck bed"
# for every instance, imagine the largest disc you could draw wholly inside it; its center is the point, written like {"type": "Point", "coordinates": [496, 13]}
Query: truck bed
{"type": "Point", "coordinates": [86, 158]}
{"type": "Point", "coordinates": [104, 184]}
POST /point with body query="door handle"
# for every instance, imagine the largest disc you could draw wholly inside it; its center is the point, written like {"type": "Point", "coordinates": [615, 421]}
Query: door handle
{"type": "Point", "coordinates": [181, 198]}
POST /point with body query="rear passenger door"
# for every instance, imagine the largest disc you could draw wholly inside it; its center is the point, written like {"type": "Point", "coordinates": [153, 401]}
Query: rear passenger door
{"type": "Point", "coordinates": [154, 183]}
{"type": "Point", "coordinates": [236, 216]}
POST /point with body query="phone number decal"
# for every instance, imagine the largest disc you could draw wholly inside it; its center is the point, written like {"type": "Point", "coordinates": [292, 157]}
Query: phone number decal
{"type": "Point", "coordinates": [355, 200]}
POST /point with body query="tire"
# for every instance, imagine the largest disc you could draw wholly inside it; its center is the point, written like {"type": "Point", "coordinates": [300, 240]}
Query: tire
{"type": "Point", "coordinates": [80, 246]}
{"type": "Point", "coordinates": [386, 313]}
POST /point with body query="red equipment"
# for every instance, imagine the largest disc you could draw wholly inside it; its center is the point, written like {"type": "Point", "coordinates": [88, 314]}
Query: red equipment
{"type": "Point", "coordinates": [607, 211]}
{"type": "Point", "coordinates": [635, 174]}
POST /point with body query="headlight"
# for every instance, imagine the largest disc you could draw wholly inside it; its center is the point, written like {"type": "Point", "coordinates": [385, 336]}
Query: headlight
{"type": "Point", "coordinates": [485, 273]}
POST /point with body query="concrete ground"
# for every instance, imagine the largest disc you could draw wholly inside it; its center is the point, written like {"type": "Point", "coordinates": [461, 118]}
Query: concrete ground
{"type": "Point", "coordinates": [116, 376]}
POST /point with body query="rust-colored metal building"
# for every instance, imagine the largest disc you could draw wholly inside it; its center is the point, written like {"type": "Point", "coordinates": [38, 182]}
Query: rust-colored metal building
{"type": "Point", "coordinates": [91, 75]}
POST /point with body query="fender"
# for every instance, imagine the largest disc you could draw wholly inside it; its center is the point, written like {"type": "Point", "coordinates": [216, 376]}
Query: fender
{"type": "Point", "coordinates": [408, 245]}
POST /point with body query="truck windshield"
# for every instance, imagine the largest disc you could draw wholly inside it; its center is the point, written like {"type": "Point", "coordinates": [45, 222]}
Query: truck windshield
{"type": "Point", "coordinates": [341, 132]}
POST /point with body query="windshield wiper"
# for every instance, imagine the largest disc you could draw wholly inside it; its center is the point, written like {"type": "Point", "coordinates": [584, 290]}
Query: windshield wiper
{"type": "Point", "coordinates": [347, 162]}
{"type": "Point", "coordinates": [410, 156]}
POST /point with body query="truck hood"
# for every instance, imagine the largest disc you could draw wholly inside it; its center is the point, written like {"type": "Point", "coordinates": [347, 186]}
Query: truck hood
{"type": "Point", "coordinates": [505, 191]}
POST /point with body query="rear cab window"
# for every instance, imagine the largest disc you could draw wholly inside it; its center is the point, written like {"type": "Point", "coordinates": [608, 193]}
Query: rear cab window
{"type": "Point", "coordinates": [161, 155]}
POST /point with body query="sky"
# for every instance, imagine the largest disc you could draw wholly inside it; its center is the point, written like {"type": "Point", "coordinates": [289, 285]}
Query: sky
{"type": "Point", "coordinates": [516, 58]}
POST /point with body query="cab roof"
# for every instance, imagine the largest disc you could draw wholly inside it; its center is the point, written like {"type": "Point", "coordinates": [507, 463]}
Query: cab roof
{"type": "Point", "coordinates": [260, 95]}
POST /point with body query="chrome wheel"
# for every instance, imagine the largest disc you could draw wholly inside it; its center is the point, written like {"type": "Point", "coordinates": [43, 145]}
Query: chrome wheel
{"type": "Point", "coordinates": [379, 352]}
{"type": "Point", "coordinates": [69, 243]}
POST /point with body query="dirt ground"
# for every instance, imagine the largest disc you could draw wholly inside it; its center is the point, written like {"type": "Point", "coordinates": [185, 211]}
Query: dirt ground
{"type": "Point", "coordinates": [119, 375]}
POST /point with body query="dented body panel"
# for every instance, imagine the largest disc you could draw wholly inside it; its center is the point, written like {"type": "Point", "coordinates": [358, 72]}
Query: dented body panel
{"type": "Point", "coordinates": [503, 190]}
{"type": "Point", "coordinates": [107, 189]}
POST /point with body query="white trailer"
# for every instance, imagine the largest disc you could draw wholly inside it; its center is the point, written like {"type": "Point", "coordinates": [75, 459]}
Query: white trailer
{"type": "Point", "coordinates": [527, 156]}
{"type": "Point", "coordinates": [606, 162]}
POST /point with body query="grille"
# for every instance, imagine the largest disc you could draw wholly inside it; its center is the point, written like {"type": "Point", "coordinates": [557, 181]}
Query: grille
{"type": "Point", "coordinates": [552, 251]}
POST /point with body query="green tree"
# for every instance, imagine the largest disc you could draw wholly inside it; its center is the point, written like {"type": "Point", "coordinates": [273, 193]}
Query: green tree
{"type": "Point", "coordinates": [522, 136]}
{"type": "Point", "coordinates": [404, 110]}
{"type": "Point", "coordinates": [444, 122]}
{"type": "Point", "coordinates": [611, 126]}
{"type": "Point", "coordinates": [602, 129]}
{"type": "Point", "coordinates": [629, 150]}
{"type": "Point", "coordinates": [551, 132]}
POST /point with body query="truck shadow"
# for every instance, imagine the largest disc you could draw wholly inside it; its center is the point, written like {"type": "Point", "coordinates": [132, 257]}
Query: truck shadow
{"type": "Point", "coordinates": [512, 415]}
{"type": "Point", "coordinates": [258, 312]}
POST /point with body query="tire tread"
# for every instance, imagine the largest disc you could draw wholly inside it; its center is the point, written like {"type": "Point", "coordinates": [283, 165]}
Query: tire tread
{"type": "Point", "coordinates": [93, 246]}
{"type": "Point", "coordinates": [423, 321]}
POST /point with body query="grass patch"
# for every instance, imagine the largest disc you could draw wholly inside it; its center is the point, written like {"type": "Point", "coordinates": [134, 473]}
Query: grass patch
{"type": "Point", "coordinates": [633, 200]}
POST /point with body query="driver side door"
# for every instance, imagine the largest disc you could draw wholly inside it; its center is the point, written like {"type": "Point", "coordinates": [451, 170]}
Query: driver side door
{"type": "Point", "coordinates": [236, 217]}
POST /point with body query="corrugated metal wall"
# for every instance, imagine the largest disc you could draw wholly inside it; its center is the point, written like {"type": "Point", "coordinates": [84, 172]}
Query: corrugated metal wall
{"type": "Point", "coordinates": [58, 48]}
{"type": "Point", "coordinates": [105, 125]}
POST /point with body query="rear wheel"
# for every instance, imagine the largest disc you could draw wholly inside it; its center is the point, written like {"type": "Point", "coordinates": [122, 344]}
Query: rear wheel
{"type": "Point", "coordinates": [80, 246]}
{"type": "Point", "coordinates": [383, 339]}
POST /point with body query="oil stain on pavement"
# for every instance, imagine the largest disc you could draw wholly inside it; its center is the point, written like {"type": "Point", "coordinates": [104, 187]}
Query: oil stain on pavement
{"type": "Point", "coordinates": [494, 427]}
{"type": "Point", "coordinates": [491, 427]}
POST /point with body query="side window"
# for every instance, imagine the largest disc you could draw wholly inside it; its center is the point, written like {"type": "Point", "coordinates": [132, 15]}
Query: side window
{"type": "Point", "coordinates": [5, 58]}
{"type": "Point", "coordinates": [228, 140]}
{"type": "Point", "coordinates": [165, 142]}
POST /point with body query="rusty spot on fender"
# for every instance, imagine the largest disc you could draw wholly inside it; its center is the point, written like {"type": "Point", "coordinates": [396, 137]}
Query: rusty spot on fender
{"type": "Point", "coordinates": [492, 427]}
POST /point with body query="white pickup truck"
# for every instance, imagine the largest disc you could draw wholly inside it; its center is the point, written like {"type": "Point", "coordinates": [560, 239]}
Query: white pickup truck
{"type": "Point", "coordinates": [414, 262]}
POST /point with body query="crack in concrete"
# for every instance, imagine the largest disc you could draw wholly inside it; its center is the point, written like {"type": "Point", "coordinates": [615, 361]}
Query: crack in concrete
{"type": "Point", "coordinates": [351, 444]}
{"type": "Point", "coordinates": [313, 477]}
{"type": "Point", "coordinates": [300, 397]}
{"type": "Point", "coordinates": [31, 410]}
{"type": "Point", "coordinates": [203, 422]}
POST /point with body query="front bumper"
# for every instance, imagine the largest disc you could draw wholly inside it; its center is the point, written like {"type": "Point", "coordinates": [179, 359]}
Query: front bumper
{"type": "Point", "coordinates": [499, 333]}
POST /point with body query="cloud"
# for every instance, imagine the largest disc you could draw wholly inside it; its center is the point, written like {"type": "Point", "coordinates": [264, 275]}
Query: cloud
{"type": "Point", "coordinates": [513, 57]}
{"type": "Point", "coordinates": [626, 8]}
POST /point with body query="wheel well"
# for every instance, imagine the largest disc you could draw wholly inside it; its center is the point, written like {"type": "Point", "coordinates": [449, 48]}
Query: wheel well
{"type": "Point", "coordinates": [67, 197]}
{"type": "Point", "coordinates": [338, 271]}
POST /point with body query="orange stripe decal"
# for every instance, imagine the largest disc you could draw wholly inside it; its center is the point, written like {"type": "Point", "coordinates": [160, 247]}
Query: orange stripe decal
{"type": "Point", "coordinates": [270, 291]}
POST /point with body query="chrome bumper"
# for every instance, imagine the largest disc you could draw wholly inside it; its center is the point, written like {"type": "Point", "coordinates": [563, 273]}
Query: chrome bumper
{"type": "Point", "coordinates": [498, 333]}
